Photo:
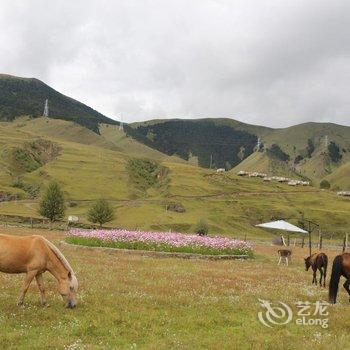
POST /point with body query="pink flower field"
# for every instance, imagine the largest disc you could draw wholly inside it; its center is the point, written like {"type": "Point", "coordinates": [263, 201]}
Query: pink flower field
{"type": "Point", "coordinates": [166, 241]}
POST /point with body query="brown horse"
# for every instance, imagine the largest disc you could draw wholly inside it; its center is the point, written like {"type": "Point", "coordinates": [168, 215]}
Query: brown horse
{"type": "Point", "coordinates": [341, 267]}
{"type": "Point", "coordinates": [318, 261]}
{"type": "Point", "coordinates": [33, 255]}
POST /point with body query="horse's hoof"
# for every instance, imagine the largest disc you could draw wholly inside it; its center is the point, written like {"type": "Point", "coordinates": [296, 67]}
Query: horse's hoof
{"type": "Point", "coordinates": [20, 304]}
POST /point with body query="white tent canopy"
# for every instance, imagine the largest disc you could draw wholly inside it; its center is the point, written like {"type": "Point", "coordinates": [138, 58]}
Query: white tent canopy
{"type": "Point", "coordinates": [282, 225]}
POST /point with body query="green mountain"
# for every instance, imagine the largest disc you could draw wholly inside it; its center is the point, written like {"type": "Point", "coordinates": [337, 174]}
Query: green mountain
{"type": "Point", "coordinates": [214, 145]}
{"type": "Point", "coordinates": [26, 96]}
{"type": "Point", "coordinates": [311, 150]}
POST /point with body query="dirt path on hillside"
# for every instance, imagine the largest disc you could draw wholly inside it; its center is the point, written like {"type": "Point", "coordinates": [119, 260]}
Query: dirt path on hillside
{"type": "Point", "coordinates": [246, 194]}
{"type": "Point", "coordinates": [214, 195]}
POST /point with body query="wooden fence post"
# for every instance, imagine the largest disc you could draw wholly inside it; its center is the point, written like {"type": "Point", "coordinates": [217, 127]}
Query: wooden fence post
{"type": "Point", "coordinates": [344, 243]}
{"type": "Point", "coordinates": [346, 240]}
{"type": "Point", "coordinates": [320, 240]}
{"type": "Point", "coordinates": [309, 243]}
{"type": "Point", "coordinates": [302, 241]}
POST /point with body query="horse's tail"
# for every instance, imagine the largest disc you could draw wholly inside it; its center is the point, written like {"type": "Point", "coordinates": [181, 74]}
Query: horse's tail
{"type": "Point", "coordinates": [335, 277]}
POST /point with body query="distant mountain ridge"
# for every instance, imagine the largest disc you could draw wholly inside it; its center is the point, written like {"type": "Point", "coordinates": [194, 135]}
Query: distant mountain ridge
{"type": "Point", "coordinates": [314, 151]}
{"type": "Point", "coordinates": [310, 150]}
{"type": "Point", "coordinates": [26, 96]}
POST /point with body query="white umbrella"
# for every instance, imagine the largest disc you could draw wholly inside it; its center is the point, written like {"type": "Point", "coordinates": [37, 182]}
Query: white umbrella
{"type": "Point", "coordinates": [282, 225]}
{"type": "Point", "coordinates": [285, 226]}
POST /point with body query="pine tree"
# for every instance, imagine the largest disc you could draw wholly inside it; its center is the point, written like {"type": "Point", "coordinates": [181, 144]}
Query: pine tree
{"type": "Point", "coordinates": [52, 204]}
{"type": "Point", "coordinates": [100, 212]}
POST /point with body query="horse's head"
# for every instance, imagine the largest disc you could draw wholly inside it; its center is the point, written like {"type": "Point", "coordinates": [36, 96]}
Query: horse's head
{"type": "Point", "coordinates": [68, 288]}
{"type": "Point", "coordinates": [307, 263]}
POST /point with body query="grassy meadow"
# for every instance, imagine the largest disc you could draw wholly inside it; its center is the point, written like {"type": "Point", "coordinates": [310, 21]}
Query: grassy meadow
{"type": "Point", "coordinates": [128, 301]}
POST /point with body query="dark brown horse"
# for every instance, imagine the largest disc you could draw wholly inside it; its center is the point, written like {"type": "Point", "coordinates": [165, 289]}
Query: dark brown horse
{"type": "Point", "coordinates": [341, 267]}
{"type": "Point", "coordinates": [317, 261]}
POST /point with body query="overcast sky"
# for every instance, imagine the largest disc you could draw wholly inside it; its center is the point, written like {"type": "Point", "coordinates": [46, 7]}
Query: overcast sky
{"type": "Point", "coordinates": [275, 63]}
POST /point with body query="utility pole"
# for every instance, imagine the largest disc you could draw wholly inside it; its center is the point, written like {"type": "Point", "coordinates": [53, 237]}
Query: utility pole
{"type": "Point", "coordinates": [121, 126]}
{"type": "Point", "coordinates": [46, 108]}
{"type": "Point", "coordinates": [258, 144]}
{"type": "Point", "coordinates": [211, 160]}
{"type": "Point", "coordinates": [326, 143]}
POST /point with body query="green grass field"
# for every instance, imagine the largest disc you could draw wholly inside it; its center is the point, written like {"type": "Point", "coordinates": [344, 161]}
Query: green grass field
{"type": "Point", "coordinates": [128, 301]}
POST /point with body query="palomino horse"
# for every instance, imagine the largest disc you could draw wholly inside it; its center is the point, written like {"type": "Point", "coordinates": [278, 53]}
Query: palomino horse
{"type": "Point", "coordinates": [33, 255]}
{"type": "Point", "coordinates": [318, 261]}
{"type": "Point", "coordinates": [341, 267]}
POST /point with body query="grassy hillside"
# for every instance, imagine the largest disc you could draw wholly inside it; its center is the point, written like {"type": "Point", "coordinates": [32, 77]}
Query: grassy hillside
{"type": "Point", "coordinates": [130, 146]}
{"type": "Point", "coordinates": [262, 162]}
{"type": "Point", "coordinates": [340, 178]}
{"type": "Point", "coordinates": [231, 205]}
{"type": "Point", "coordinates": [26, 96]}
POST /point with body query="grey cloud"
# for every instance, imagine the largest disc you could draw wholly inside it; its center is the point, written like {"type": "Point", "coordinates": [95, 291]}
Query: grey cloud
{"type": "Point", "coordinates": [268, 62]}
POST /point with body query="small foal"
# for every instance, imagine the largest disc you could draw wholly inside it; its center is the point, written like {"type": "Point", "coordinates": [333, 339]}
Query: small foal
{"type": "Point", "coordinates": [284, 254]}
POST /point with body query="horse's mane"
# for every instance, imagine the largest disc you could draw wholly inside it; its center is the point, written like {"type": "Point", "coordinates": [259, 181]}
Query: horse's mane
{"type": "Point", "coordinates": [59, 255]}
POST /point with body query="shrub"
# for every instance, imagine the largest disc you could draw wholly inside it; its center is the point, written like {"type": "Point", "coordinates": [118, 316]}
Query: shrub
{"type": "Point", "coordinates": [310, 147]}
{"type": "Point", "coordinates": [52, 204]}
{"type": "Point", "coordinates": [298, 159]}
{"type": "Point", "coordinates": [145, 174]}
{"type": "Point", "coordinates": [177, 207]}
{"type": "Point", "coordinates": [324, 184]}
{"type": "Point", "coordinates": [201, 228]}
{"type": "Point", "coordinates": [334, 152]}
{"type": "Point", "coordinates": [277, 152]}
{"type": "Point", "coordinates": [100, 212]}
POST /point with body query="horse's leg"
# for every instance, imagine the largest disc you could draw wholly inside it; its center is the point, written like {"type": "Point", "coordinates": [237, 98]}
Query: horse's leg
{"type": "Point", "coordinates": [324, 275]}
{"type": "Point", "coordinates": [287, 260]}
{"type": "Point", "coordinates": [40, 282]}
{"type": "Point", "coordinates": [27, 281]}
{"type": "Point", "coordinates": [321, 274]}
{"type": "Point", "coordinates": [314, 280]}
{"type": "Point", "coordinates": [279, 260]}
{"type": "Point", "coordinates": [346, 286]}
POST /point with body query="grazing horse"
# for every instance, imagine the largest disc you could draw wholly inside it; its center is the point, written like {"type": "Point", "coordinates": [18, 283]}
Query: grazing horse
{"type": "Point", "coordinates": [33, 255]}
{"type": "Point", "coordinates": [341, 267]}
{"type": "Point", "coordinates": [318, 261]}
